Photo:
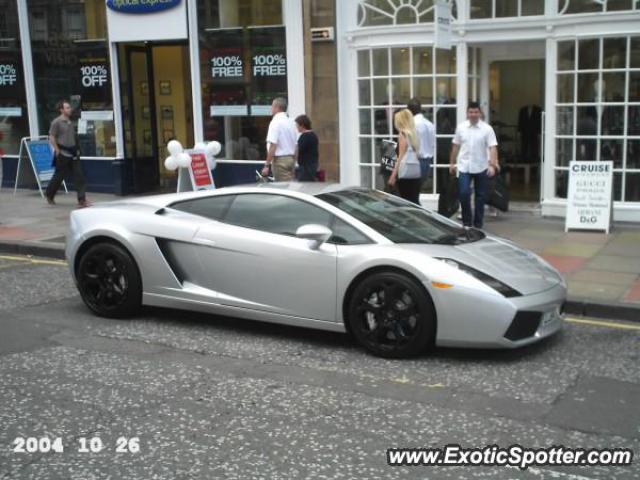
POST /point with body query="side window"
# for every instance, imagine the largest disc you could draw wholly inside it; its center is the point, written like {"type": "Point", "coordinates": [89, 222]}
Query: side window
{"type": "Point", "coordinates": [274, 213]}
{"type": "Point", "coordinates": [345, 234]}
{"type": "Point", "coordinates": [211, 207]}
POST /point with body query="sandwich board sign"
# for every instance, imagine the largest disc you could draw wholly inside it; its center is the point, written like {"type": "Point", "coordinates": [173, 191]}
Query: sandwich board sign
{"type": "Point", "coordinates": [35, 164]}
{"type": "Point", "coordinates": [589, 202]}
{"type": "Point", "coordinates": [196, 176]}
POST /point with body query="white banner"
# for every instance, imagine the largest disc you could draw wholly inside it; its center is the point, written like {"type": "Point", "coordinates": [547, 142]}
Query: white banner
{"type": "Point", "coordinates": [443, 24]}
{"type": "Point", "coordinates": [589, 201]}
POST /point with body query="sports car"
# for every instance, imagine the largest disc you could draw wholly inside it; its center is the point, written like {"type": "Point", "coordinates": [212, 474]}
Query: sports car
{"type": "Point", "coordinates": [397, 277]}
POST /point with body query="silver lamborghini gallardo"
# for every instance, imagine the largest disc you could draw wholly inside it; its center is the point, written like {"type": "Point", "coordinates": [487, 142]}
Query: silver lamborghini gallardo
{"type": "Point", "coordinates": [398, 277]}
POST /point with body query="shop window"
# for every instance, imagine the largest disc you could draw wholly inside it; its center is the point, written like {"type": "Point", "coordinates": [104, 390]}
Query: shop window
{"type": "Point", "coordinates": [595, 6]}
{"type": "Point", "coordinates": [14, 123]}
{"type": "Point", "coordinates": [243, 68]}
{"type": "Point", "coordinates": [387, 79]}
{"type": "Point", "coordinates": [479, 9]}
{"type": "Point", "coordinates": [600, 120]}
{"type": "Point", "coordinates": [588, 54]}
{"type": "Point", "coordinates": [632, 187]}
{"type": "Point", "coordinates": [71, 60]}
{"type": "Point", "coordinates": [373, 13]}
{"type": "Point", "coordinates": [566, 55]}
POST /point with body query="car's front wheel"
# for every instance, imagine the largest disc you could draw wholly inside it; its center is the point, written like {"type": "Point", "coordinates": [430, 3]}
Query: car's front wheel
{"type": "Point", "coordinates": [391, 315]}
{"type": "Point", "coordinates": [109, 281]}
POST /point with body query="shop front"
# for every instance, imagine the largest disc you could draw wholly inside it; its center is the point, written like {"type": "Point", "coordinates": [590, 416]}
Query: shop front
{"type": "Point", "coordinates": [558, 80]}
{"type": "Point", "coordinates": [139, 74]}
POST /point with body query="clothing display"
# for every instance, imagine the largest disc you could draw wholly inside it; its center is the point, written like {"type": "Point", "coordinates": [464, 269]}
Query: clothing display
{"type": "Point", "coordinates": [530, 127]}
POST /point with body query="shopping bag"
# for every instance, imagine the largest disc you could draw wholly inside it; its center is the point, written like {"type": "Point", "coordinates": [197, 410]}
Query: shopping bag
{"type": "Point", "coordinates": [498, 195]}
{"type": "Point", "coordinates": [388, 158]}
{"type": "Point", "coordinates": [449, 201]}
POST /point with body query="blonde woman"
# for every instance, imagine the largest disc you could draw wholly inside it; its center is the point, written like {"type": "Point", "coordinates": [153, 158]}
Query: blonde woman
{"type": "Point", "coordinates": [406, 174]}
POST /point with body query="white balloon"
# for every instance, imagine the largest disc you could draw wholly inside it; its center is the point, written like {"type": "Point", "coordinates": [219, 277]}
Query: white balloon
{"type": "Point", "coordinates": [213, 148]}
{"type": "Point", "coordinates": [200, 146]}
{"type": "Point", "coordinates": [211, 163]}
{"type": "Point", "coordinates": [174, 147]}
{"type": "Point", "coordinates": [184, 160]}
{"type": "Point", "coordinates": [170, 163]}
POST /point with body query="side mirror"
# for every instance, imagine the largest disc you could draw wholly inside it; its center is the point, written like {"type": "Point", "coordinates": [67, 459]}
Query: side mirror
{"type": "Point", "coordinates": [316, 234]}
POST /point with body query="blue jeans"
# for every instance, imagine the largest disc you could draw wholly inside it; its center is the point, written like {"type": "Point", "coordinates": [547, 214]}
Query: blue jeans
{"type": "Point", "coordinates": [480, 185]}
{"type": "Point", "coordinates": [425, 166]}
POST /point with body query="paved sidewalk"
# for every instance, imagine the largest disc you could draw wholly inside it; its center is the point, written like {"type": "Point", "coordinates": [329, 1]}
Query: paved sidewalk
{"type": "Point", "coordinates": [602, 271]}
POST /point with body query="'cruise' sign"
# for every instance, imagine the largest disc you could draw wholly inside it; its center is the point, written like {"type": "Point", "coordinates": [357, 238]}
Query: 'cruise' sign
{"type": "Point", "coordinates": [141, 6]}
{"type": "Point", "coordinates": [589, 202]}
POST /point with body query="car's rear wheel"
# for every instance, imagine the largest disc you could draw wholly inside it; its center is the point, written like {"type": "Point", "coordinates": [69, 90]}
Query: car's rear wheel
{"type": "Point", "coordinates": [109, 281]}
{"type": "Point", "coordinates": [391, 315]}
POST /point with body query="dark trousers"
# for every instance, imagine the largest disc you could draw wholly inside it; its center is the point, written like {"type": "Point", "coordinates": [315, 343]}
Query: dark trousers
{"type": "Point", "coordinates": [66, 167]}
{"type": "Point", "coordinates": [308, 172]}
{"type": "Point", "coordinates": [409, 189]}
{"type": "Point", "coordinates": [480, 185]}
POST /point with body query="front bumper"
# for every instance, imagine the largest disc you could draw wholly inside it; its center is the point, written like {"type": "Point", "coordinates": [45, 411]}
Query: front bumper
{"type": "Point", "coordinates": [475, 319]}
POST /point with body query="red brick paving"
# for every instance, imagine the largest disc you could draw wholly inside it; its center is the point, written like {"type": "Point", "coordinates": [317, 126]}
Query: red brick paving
{"type": "Point", "coordinates": [633, 295]}
{"type": "Point", "coordinates": [566, 264]}
{"type": "Point", "coordinates": [18, 233]}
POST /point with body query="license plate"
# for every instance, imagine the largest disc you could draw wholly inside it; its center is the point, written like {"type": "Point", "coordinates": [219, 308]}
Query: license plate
{"type": "Point", "coordinates": [550, 317]}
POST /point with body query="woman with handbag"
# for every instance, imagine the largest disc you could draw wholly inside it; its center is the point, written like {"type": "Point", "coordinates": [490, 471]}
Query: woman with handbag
{"type": "Point", "coordinates": [406, 173]}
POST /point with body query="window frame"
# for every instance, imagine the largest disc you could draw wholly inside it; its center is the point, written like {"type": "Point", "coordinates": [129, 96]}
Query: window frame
{"type": "Point", "coordinates": [573, 105]}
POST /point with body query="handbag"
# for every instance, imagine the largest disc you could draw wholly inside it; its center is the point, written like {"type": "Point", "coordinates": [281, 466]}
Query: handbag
{"type": "Point", "coordinates": [448, 201]}
{"type": "Point", "coordinates": [389, 158]}
{"type": "Point", "coordinates": [498, 193]}
{"type": "Point", "coordinates": [410, 165]}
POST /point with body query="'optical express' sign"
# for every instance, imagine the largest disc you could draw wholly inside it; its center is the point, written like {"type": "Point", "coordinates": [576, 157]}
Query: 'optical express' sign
{"type": "Point", "coordinates": [141, 6]}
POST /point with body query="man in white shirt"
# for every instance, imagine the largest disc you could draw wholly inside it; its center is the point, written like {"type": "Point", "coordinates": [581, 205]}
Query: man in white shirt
{"type": "Point", "coordinates": [281, 143]}
{"type": "Point", "coordinates": [426, 135]}
{"type": "Point", "coordinates": [475, 142]}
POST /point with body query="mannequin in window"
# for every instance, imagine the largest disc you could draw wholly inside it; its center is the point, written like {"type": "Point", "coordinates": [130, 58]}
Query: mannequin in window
{"type": "Point", "coordinates": [529, 127]}
{"type": "Point", "coordinates": [445, 117]}
{"type": "Point", "coordinates": [442, 96]}
{"type": "Point", "coordinates": [383, 117]}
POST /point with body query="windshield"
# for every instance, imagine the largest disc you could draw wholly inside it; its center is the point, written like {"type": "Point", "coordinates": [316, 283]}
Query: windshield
{"type": "Point", "coordinates": [398, 220]}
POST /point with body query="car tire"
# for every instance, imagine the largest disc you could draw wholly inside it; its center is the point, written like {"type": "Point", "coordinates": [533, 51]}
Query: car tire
{"type": "Point", "coordinates": [109, 281]}
{"type": "Point", "coordinates": [391, 315]}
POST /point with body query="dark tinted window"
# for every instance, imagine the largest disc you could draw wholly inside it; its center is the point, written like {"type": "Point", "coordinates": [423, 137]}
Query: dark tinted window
{"type": "Point", "coordinates": [210, 207]}
{"type": "Point", "coordinates": [271, 213]}
{"type": "Point", "coordinates": [345, 234]}
{"type": "Point", "coordinates": [275, 213]}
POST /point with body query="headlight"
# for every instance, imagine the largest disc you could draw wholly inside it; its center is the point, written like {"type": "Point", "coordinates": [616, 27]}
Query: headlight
{"type": "Point", "coordinates": [497, 285]}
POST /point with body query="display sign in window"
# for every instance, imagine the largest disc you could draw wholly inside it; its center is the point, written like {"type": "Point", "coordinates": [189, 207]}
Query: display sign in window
{"type": "Point", "coordinates": [243, 69]}
{"type": "Point", "coordinates": [268, 68]}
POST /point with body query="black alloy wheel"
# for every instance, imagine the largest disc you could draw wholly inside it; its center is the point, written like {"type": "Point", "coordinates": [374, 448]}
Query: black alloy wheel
{"type": "Point", "coordinates": [392, 316]}
{"type": "Point", "coordinates": [109, 281]}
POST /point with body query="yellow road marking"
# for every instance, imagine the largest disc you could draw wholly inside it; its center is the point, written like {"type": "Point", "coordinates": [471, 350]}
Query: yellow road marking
{"type": "Point", "coordinates": [600, 323]}
{"type": "Point", "coordinates": [33, 261]}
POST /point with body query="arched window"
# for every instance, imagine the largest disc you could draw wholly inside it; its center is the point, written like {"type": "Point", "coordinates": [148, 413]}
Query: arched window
{"type": "Point", "coordinates": [373, 13]}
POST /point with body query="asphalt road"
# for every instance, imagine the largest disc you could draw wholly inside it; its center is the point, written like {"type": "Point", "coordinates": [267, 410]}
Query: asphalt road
{"type": "Point", "coordinates": [193, 396]}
